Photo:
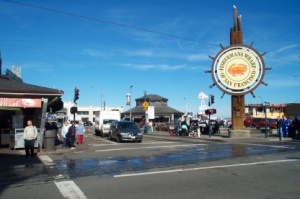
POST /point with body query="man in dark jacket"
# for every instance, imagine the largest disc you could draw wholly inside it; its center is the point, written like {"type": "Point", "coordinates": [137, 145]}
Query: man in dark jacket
{"type": "Point", "coordinates": [71, 135]}
{"type": "Point", "coordinates": [296, 125]}
{"type": "Point", "coordinates": [279, 127]}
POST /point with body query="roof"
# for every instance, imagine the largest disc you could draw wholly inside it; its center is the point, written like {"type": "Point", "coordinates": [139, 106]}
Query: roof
{"type": "Point", "coordinates": [292, 109]}
{"type": "Point", "coordinates": [159, 110]}
{"type": "Point", "coordinates": [10, 87]}
{"type": "Point", "coordinates": [151, 97]}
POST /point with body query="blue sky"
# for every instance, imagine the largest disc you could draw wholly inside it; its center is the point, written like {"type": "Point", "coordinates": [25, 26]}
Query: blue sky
{"type": "Point", "coordinates": [69, 43]}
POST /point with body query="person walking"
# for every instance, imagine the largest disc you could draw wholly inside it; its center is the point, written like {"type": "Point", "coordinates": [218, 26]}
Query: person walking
{"type": "Point", "coordinates": [79, 132]}
{"type": "Point", "coordinates": [64, 132]}
{"type": "Point", "coordinates": [30, 135]}
{"type": "Point", "coordinates": [279, 127]}
{"type": "Point", "coordinates": [296, 125]}
{"type": "Point", "coordinates": [71, 135]}
{"type": "Point", "coordinates": [285, 126]}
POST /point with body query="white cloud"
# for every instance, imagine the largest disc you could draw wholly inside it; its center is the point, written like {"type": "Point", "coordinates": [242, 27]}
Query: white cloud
{"type": "Point", "coordinates": [93, 53]}
{"type": "Point", "coordinates": [163, 67]}
{"type": "Point", "coordinates": [143, 53]}
{"type": "Point", "coordinates": [197, 57]}
{"type": "Point", "coordinates": [286, 48]}
{"type": "Point", "coordinates": [167, 54]}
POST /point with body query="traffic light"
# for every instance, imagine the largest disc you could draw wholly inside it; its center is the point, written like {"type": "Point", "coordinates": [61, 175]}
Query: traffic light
{"type": "Point", "coordinates": [76, 94]}
{"type": "Point", "coordinates": [212, 99]}
{"type": "Point", "coordinates": [213, 111]}
{"type": "Point", "coordinates": [210, 111]}
{"type": "Point", "coordinates": [73, 110]}
{"type": "Point", "coordinates": [207, 112]}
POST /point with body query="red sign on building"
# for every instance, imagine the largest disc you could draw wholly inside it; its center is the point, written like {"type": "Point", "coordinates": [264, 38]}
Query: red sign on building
{"type": "Point", "coordinates": [20, 102]}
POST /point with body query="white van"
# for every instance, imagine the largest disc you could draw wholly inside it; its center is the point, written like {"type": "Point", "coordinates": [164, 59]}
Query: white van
{"type": "Point", "coordinates": [104, 120]}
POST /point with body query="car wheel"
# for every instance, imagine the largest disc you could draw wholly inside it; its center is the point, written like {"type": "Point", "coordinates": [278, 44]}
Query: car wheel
{"type": "Point", "coordinates": [139, 141]}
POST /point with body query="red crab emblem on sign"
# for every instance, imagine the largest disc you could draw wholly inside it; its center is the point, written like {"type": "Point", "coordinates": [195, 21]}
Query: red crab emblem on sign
{"type": "Point", "coordinates": [237, 69]}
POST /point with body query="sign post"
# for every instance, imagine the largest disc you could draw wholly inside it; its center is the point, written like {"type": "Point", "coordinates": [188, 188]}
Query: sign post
{"type": "Point", "coordinates": [237, 70]}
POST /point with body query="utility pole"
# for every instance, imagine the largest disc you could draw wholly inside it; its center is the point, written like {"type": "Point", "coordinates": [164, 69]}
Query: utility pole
{"type": "Point", "coordinates": [145, 96]}
{"type": "Point", "coordinates": [266, 121]}
{"type": "Point", "coordinates": [130, 102]}
{"type": "Point", "coordinates": [101, 99]}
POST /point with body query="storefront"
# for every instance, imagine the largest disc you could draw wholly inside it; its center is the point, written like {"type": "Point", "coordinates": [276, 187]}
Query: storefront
{"type": "Point", "coordinates": [20, 102]}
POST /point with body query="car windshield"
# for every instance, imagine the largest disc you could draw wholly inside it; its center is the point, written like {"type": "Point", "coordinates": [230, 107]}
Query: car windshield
{"type": "Point", "coordinates": [272, 120]}
{"type": "Point", "coordinates": [127, 125]}
{"type": "Point", "coordinates": [107, 121]}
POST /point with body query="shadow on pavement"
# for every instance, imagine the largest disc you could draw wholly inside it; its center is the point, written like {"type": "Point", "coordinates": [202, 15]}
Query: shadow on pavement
{"type": "Point", "coordinates": [16, 170]}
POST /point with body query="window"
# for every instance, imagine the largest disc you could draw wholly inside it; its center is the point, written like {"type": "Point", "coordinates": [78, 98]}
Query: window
{"type": "Point", "coordinates": [82, 113]}
{"type": "Point", "coordinates": [95, 112]}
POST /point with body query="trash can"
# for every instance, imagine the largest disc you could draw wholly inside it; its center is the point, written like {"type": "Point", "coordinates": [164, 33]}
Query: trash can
{"type": "Point", "coordinates": [148, 129]}
{"type": "Point", "coordinates": [49, 140]}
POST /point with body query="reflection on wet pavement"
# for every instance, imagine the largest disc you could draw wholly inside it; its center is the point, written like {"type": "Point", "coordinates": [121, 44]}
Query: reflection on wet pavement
{"type": "Point", "coordinates": [193, 155]}
{"type": "Point", "coordinates": [24, 174]}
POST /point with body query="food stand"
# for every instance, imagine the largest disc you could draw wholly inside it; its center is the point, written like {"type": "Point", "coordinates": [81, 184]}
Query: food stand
{"type": "Point", "coordinates": [17, 140]}
{"type": "Point", "coordinates": [20, 102]}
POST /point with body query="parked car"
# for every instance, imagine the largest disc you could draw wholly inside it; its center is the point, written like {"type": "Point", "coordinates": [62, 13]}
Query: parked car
{"type": "Point", "coordinates": [125, 131]}
{"type": "Point", "coordinates": [271, 123]}
{"type": "Point", "coordinates": [248, 122]}
{"type": "Point", "coordinates": [256, 122]}
{"type": "Point", "coordinates": [202, 124]}
{"type": "Point", "coordinates": [165, 127]}
{"type": "Point", "coordinates": [88, 123]}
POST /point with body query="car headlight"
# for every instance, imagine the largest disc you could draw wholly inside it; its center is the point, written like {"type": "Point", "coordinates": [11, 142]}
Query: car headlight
{"type": "Point", "coordinates": [124, 133]}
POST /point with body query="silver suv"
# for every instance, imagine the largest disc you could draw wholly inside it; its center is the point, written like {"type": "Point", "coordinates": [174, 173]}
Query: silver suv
{"type": "Point", "coordinates": [125, 131]}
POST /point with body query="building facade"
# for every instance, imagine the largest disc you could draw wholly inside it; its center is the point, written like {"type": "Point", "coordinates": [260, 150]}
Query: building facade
{"type": "Point", "coordinates": [84, 113]}
{"type": "Point", "coordinates": [273, 110]}
{"type": "Point", "coordinates": [162, 112]}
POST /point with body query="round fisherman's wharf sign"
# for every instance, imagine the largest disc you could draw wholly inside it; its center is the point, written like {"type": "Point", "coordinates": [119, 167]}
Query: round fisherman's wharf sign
{"type": "Point", "coordinates": [238, 69]}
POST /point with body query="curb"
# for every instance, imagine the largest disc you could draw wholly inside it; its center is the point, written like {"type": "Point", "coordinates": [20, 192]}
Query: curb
{"type": "Point", "coordinates": [59, 150]}
{"type": "Point", "coordinates": [189, 137]}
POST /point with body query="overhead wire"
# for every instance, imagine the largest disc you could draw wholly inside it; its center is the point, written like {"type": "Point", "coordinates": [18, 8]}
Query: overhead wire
{"type": "Point", "coordinates": [126, 26]}
{"type": "Point", "coordinates": [110, 22]}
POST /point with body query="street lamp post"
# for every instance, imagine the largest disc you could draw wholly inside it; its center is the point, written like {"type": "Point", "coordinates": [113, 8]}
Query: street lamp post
{"type": "Point", "coordinates": [101, 96]}
{"type": "Point", "coordinates": [262, 99]}
{"type": "Point", "coordinates": [185, 106]}
{"type": "Point", "coordinates": [130, 102]}
{"type": "Point", "coordinates": [266, 122]}
{"type": "Point", "coordinates": [264, 105]}
{"type": "Point", "coordinates": [145, 95]}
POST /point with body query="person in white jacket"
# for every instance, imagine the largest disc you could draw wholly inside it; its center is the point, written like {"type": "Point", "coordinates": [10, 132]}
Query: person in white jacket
{"type": "Point", "coordinates": [64, 131]}
{"type": "Point", "coordinates": [30, 135]}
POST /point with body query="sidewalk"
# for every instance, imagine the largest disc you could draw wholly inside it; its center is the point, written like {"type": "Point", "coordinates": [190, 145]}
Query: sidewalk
{"type": "Point", "coordinates": [224, 137]}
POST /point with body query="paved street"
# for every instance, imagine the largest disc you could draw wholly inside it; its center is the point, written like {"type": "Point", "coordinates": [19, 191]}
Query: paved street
{"type": "Point", "coordinates": [162, 166]}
